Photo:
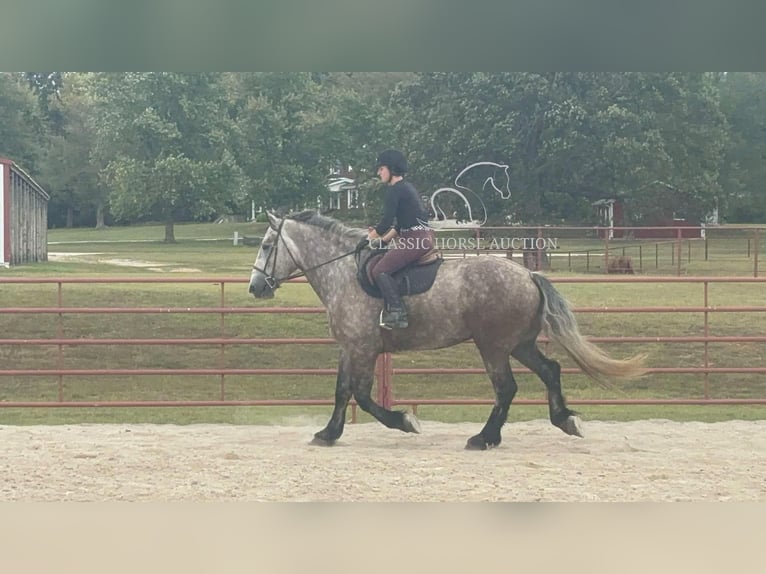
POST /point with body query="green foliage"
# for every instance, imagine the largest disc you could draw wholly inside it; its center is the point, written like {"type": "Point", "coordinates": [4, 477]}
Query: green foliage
{"type": "Point", "coordinates": [571, 137]}
{"type": "Point", "coordinates": [47, 87]}
{"type": "Point", "coordinates": [22, 129]}
{"type": "Point", "coordinates": [743, 101]}
{"type": "Point", "coordinates": [278, 118]}
{"type": "Point", "coordinates": [189, 146]}
{"type": "Point", "coordinates": [68, 171]}
{"type": "Point", "coordinates": [295, 128]}
{"type": "Point", "coordinates": [163, 139]}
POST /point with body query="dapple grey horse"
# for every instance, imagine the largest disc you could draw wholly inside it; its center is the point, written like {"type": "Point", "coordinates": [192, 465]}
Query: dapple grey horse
{"type": "Point", "coordinates": [498, 303]}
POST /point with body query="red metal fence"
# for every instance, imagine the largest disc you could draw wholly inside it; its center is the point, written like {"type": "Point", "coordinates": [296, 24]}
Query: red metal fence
{"type": "Point", "coordinates": [386, 371]}
{"type": "Point", "coordinates": [643, 243]}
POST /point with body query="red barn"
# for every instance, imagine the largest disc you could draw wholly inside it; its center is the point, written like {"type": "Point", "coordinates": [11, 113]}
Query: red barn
{"type": "Point", "coordinates": [611, 213]}
{"type": "Point", "coordinates": [23, 217]}
{"type": "Point", "coordinates": [671, 233]}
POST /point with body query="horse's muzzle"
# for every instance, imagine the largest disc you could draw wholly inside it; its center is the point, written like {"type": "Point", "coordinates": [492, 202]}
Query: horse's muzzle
{"type": "Point", "coordinates": [260, 288]}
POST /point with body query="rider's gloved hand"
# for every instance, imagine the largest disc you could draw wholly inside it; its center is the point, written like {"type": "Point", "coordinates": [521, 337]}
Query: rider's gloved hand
{"type": "Point", "coordinates": [363, 243]}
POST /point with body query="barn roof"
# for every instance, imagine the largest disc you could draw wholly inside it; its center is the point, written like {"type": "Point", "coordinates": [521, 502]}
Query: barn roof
{"type": "Point", "coordinates": [37, 187]}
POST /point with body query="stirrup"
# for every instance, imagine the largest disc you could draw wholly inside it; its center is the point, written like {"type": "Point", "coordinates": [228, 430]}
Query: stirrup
{"type": "Point", "coordinates": [398, 321]}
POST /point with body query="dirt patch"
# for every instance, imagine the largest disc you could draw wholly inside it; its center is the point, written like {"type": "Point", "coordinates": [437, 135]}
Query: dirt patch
{"type": "Point", "coordinates": [121, 262]}
{"type": "Point", "coordinates": [637, 461]}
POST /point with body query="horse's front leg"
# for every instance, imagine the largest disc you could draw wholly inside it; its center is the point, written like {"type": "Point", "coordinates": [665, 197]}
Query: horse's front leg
{"type": "Point", "coordinates": [362, 386]}
{"type": "Point", "coordinates": [328, 435]}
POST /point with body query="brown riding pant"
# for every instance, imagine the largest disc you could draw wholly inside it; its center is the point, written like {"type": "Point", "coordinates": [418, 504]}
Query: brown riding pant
{"type": "Point", "coordinates": [409, 246]}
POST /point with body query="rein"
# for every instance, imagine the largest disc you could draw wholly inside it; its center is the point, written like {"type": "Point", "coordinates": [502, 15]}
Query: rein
{"type": "Point", "coordinates": [274, 282]}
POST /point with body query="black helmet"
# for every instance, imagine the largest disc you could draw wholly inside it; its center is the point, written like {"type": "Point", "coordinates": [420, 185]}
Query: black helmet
{"type": "Point", "coordinates": [394, 160]}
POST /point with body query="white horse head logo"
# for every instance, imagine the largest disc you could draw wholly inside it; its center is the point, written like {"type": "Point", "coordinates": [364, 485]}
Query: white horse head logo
{"type": "Point", "coordinates": [504, 193]}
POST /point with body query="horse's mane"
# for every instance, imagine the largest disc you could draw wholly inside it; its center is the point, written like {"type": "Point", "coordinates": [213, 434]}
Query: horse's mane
{"type": "Point", "coordinates": [311, 217]}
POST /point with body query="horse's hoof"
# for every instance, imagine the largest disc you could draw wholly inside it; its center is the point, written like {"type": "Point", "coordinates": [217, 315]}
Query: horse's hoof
{"type": "Point", "coordinates": [319, 441]}
{"type": "Point", "coordinates": [572, 426]}
{"type": "Point", "coordinates": [476, 443]}
{"type": "Point", "coordinates": [410, 423]}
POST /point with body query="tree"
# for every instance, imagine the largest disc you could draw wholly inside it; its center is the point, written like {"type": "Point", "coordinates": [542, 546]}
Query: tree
{"type": "Point", "coordinates": [22, 131]}
{"type": "Point", "coordinates": [164, 139]}
{"type": "Point", "coordinates": [70, 172]}
{"type": "Point", "coordinates": [570, 138]}
{"type": "Point", "coordinates": [687, 114]}
{"type": "Point", "coordinates": [744, 173]}
{"type": "Point", "coordinates": [279, 117]}
{"type": "Point", "coordinates": [359, 123]}
{"type": "Point", "coordinates": [295, 128]}
{"type": "Point", "coordinates": [48, 85]}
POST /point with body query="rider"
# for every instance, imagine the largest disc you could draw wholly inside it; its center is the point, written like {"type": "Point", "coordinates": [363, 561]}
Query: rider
{"type": "Point", "coordinates": [412, 235]}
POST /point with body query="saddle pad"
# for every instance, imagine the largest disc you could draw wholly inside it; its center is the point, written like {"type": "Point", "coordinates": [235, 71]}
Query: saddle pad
{"type": "Point", "coordinates": [410, 280]}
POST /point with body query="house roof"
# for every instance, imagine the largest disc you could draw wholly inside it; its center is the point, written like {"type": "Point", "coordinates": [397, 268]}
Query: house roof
{"type": "Point", "coordinates": [337, 184]}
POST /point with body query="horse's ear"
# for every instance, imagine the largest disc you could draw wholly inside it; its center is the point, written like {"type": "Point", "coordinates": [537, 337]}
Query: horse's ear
{"type": "Point", "coordinates": [273, 220]}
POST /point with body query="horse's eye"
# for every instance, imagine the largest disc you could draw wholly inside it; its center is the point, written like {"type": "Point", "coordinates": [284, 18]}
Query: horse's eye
{"type": "Point", "coordinates": [265, 247]}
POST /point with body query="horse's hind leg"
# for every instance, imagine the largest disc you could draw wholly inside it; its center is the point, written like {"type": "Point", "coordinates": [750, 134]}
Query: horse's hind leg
{"type": "Point", "coordinates": [499, 370]}
{"type": "Point", "coordinates": [529, 355]}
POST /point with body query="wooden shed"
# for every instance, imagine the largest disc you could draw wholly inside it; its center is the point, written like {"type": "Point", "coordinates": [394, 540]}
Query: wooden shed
{"type": "Point", "coordinates": [23, 217]}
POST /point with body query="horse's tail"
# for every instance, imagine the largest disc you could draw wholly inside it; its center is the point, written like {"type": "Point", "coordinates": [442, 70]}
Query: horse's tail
{"type": "Point", "coordinates": [562, 329]}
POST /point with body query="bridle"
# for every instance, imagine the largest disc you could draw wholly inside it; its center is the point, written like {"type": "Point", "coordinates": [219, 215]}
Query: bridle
{"type": "Point", "coordinates": [274, 282]}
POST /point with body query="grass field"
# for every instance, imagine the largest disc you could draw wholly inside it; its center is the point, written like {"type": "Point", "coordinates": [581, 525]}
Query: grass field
{"type": "Point", "coordinates": [206, 250]}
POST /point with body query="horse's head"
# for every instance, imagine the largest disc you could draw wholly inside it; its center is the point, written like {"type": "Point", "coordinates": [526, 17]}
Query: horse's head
{"type": "Point", "coordinates": [505, 178]}
{"type": "Point", "coordinates": [274, 262]}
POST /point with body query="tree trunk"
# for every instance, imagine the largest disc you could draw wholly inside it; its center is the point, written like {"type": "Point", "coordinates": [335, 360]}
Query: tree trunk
{"type": "Point", "coordinates": [69, 217]}
{"type": "Point", "coordinates": [100, 216]}
{"type": "Point", "coordinates": [169, 232]}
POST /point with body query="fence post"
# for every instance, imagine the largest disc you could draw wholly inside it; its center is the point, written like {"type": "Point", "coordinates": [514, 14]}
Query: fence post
{"type": "Point", "coordinates": [707, 334]}
{"type": "Point", "coordinates": [222, 355]}
{"type": "Point", "coordinates": [755, 253]}
{"type": "Point", "coordinates": [60, 331]}
{"type": "Point", "coordinates": [379, 376]}
{"type": "Point", "coordinates": [384, 376]}
{"type": "Point", "coordinates": [679, 244]}
{"type": "Point", "coordinates": [606, 252]}
{"type": "Point", "coordinates": [389, 381]}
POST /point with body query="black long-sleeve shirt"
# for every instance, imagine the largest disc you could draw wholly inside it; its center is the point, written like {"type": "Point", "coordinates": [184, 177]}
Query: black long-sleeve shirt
{"type": "Point", "coordinates": [402, 203]}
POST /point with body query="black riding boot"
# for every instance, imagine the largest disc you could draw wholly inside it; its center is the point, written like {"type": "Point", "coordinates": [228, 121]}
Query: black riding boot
{"type": "Point", "coordinates": [394, 314]}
